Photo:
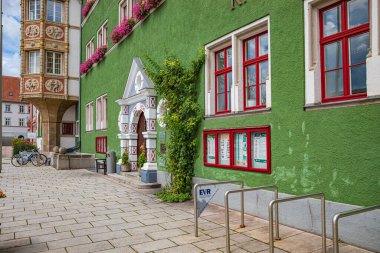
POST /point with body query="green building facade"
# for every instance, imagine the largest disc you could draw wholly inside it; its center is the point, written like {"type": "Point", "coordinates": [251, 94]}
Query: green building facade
{"type": "Point", "coordinates": [276, 110]}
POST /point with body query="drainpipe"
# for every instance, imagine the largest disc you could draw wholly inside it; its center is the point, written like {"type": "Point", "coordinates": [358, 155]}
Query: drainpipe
{"type": "Point", "coordinates": [80, 79]}
{"type": "Point", "coordinates": [1, 81]}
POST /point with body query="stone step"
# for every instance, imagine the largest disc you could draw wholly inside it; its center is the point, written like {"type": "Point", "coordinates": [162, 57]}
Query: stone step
{"type": "Point", "coordinates": [133, 179]}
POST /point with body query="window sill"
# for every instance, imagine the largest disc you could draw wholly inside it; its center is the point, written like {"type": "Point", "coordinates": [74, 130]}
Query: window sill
{"type": "Point", "coordinates": [238, 114]}
{"type": "Point", "coordinates": [342, 104]}
{"type": "Point", "coordinates": [234, 167]}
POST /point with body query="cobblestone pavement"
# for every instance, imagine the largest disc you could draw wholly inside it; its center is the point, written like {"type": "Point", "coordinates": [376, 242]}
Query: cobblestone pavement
{"type": "Point", "coordinates": [78, 211]}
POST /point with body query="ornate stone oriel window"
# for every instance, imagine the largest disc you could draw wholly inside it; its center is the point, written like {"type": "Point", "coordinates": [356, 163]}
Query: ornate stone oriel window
{"type": "Point", "coordinates": [54, 63]}
{"type": "Point", "coordinates": [54, 11]}
{"type": "Point", "coordinates": [34, 62]}
{"type": "Point", "coordinates": [34, 9]}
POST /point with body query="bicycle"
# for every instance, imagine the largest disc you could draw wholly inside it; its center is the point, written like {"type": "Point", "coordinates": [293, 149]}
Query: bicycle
{"type": "Point", "coordinates": [25, 157]}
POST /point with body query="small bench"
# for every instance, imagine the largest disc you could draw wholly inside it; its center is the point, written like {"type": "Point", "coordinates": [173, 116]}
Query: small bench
{"type": "Point", "coordinates": [101, 164]}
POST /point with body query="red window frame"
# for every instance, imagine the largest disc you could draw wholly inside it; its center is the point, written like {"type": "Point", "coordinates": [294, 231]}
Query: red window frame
{"type": "Point", "coordinates": [232, 133]}
{"type": "Point", "coordinates": [67, 128]}
{"type": "Point", "coordinates": [344, 35]}
{"type": "Point", "coordinates": [224, 72]}
{"type": "Point", "coordinates": [101, 144]}
{"type": "Point", "coordinates": [255, 61]}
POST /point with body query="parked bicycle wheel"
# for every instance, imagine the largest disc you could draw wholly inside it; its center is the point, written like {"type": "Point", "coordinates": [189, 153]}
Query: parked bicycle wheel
{"type": "Point", "coordinates": [17, 160]}
{"type": "Point", "coordinates": [39, 159]}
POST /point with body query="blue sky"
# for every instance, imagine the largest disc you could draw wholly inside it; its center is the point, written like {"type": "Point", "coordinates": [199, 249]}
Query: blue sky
{"type": "Point", "coordinates": [11, 37]}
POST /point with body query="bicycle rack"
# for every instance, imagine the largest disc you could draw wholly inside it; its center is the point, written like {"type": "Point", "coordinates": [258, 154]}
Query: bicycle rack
{"type": "Point", "coordinates": [227, 214]}
{"type": "Point", "coordinates": [323, 214]}
{"type": "Point", "coordinates": [211, 184]}
{"type": "Point", "coordinates": [335, 223]}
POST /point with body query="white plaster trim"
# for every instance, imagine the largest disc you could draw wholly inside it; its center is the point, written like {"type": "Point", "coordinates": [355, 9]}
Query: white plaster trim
{"type": "Point", "coordinates": [150, 135]}
{"type": "Point", "coordinates": [235, 39]}
{"type": "Point", "coordinates": [143, 94]}
{"type": "Point", "coordinates": [313, 79]}
{"type": "Point", "coordinates": [149, 166]}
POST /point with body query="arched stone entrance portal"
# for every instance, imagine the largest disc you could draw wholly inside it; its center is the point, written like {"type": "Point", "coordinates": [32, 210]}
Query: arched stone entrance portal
{"type": "Point", "coordinates": [139, 103]}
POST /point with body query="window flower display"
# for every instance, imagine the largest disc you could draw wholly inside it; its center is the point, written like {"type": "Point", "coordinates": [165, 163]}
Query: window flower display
{"type": "Point", "coordinates": [87, 7]}
{"type": "Point", "coordinates": [99, 54]}
{"type": "Point", "coordinates": [142, 8]}
{"type": "Point", "coordinates": [86, 66]}
{"type": "Point", "coordinates": [122, 29]}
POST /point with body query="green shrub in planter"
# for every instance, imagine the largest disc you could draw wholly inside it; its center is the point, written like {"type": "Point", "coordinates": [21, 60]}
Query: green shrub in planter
{"type": "Point", "coordinates": [22, 145]}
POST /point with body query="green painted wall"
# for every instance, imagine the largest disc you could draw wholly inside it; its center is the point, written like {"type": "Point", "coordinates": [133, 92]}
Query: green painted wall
{"type": "Point", "coordinates": [335, 151]}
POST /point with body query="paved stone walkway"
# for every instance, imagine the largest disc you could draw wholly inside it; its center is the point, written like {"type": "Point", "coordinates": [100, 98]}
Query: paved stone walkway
{"type": "Point", "coordinates": [78, 212]}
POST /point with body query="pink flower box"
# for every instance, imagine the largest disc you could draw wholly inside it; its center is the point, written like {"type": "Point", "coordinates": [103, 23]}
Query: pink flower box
{"type": "Point", "coordinates": [86, 66]}
{"type": "Point", "coordinates": [122, 29]}
{"type": "Point", "coordinates": [99, 54]}
{"type": "Point", "coordinates": [87, 7]}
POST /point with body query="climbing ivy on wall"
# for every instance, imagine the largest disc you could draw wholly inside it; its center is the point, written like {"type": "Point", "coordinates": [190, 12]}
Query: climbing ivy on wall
{"type": "Point", "coordinates": [178, 86]}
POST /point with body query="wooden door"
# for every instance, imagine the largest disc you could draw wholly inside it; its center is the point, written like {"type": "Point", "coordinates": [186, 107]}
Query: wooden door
{"type": "Point", "coordinates": [141, 127]}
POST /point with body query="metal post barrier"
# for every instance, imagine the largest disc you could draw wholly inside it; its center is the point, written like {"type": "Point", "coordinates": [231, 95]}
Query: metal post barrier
{"type": "Point", "coordinates": [323, 214]}
{"type": "Point", "coordinates": [336, 218]}
{"type": "Point", "coordinates": [227, 213]}
{"type": "Point", "coordinates": [216, 183]}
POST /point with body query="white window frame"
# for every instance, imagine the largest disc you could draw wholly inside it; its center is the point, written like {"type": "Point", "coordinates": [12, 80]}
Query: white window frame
{"type": "Point", "coordinates": [21, 109]}
{"type": "Point", "coordinates": [34, 62]}
{"type": "Point", "coordinates": [90, 116]}
{"type": "Point", "coordinates": [313, 93]}
{"type": "Point", "coordinates": [235, 40]}
{"type": "Point", "coordinates": [36, 11]}
{"type": "Point", "coordinates": [7, 122]}
{"type": "Point", "coordinates": [6, 107]}
{"type": "Point", "coordinates": [54, 72]}
{"type": "Point", "coordinates": [102, 35]}
{"type": "Point", "coordinates": [125, 5]}
{"type": "Point", "coordinates": [101, 112]}
{"type": "Point", "coordinates": [90, 48]}
{"type": "Point", "coordinates": [21, 122]}
{"type": "Point", "coordinates": [55, 3]}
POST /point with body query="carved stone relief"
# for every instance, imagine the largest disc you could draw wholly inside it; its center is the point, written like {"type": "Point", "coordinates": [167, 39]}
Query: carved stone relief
{"type": "Point", "coordinates": [32, 31]}
{"type": "Point", "coordinates": [31, 85]}
{"type": "Point", "coordinates": [54, 32]}
{"type": "Point", "coordinates": [54, 85]}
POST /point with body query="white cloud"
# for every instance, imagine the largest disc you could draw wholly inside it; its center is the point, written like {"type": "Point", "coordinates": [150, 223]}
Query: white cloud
{"type": "Point", "coordinates": [12, 8]}
{"type": "Point", "coordinates": [11, 33]}
{"type": "Point", "coordinates": [11, 64]}
{"type": "Point", "coordinates": [11, 37]}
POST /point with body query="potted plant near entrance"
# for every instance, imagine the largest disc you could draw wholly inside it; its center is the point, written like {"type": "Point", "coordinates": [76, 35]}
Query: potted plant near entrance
{"type": "Point", "coordinates": [141, 159]}
{"type": "Point", "coordinates": [125, 167]}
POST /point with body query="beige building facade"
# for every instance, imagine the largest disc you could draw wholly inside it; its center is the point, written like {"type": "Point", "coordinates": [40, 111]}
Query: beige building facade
{"type": "Point", "coordinates": [50, 47]}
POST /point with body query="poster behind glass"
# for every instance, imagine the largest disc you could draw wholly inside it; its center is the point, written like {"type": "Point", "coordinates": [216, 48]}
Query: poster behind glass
{"type": "Point", "coordinates": [224, 149]}
{"type": "Point", "coordinates": [259, 150]}
{"type": "Point", "coordinates": [240, 144]}
{"type": "Point", "coordinates": [210, 148]}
